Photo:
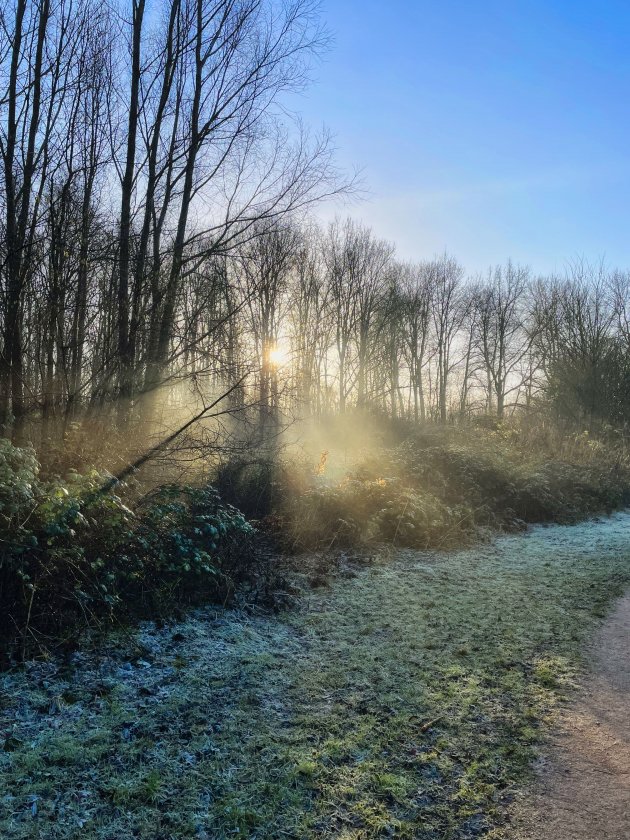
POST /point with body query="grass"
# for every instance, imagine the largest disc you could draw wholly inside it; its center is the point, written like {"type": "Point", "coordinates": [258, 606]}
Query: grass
{"type": "Point", "coordinates": [405, 700]}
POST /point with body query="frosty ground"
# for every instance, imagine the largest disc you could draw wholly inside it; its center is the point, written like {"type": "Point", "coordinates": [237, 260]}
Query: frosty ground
{"type": "Point", "coordinates": [405, 698]}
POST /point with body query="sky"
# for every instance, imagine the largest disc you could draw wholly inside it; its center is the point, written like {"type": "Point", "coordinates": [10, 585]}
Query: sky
{"type": "Point", "coordinates": [490, 129]}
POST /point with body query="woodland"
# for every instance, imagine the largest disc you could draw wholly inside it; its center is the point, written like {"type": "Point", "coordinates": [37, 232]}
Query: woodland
{"type": "Point", "coordinates": [224, 407]}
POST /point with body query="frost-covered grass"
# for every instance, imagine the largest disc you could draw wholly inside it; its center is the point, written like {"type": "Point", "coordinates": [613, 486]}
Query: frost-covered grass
{"type": "Point", "coordinates": [405, 700]}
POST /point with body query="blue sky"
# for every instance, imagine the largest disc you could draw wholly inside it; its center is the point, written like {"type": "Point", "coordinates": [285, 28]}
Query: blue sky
{"type": "Point", "coordinates": [491, 129]}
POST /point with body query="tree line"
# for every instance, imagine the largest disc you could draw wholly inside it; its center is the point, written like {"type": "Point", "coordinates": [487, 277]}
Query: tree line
{"type": "Point", "coordinates": [154, 230]}
{"type": "Point", "coordinates": [425, 341]}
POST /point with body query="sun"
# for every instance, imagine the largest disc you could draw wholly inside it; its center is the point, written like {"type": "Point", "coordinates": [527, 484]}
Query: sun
{"type": "Point", "coordinates": [277, 356]}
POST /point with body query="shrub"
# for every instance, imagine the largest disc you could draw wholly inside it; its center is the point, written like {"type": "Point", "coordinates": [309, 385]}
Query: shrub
{"type": "Point", "coordinates": [440, 486]}
{"type": "Point", "coordinates": [363, 510]}
{"type": "Point", "coordinates": [259, 487]}
{"type": "Point", "coordinates": [73, 555]}
{"type": "Point", "coordinates": [189, 537]}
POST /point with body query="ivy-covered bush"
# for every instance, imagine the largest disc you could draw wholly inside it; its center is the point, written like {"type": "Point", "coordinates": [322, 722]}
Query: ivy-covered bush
{"type": "Point", "coordinates": [188, 535]}
{"type": "Point", "coordinates": [73, 554]}
{"type": "Point", "coordinates": [18, 489]}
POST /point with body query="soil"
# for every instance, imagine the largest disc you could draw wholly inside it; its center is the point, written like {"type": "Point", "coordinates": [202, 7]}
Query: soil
{"type": "Point", "coordinates": [583, 786]}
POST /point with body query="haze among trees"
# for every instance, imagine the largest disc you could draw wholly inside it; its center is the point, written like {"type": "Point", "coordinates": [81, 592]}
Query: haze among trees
{"type": "Point", "coordinates": [157, 231]}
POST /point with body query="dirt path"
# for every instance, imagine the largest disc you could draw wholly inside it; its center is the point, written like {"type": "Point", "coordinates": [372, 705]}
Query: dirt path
{"type": "Point", "coordinates": [583, 790]}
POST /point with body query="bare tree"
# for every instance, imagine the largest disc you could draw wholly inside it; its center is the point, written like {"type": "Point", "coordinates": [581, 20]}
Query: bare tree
{"type": "Point", "coordinates": [358, 266]}
{"type": "Point", "coordinates": [37, 78]}
{"type": "Point", "coordinates": [576, 324]}
{"type": "Point", "coordinates": [447, 312]}
{"type": "Point", "coordinates": [311, 326]}
{"type": "Point", "coordinates": [416, 291]}
{"type": "Point", "coordinates": [503, 340]}
{"type": "Point", "coordinates": [138, 147]}
{"type": "Point", "coordinates": [267, 263]}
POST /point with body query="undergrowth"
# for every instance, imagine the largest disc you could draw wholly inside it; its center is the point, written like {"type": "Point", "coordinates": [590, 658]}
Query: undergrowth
{"type": "Point", "coordinates": [80, 552]}
{"type": "Point", "coordinates": [440, 488]}
{"type": "Point", "coordinates": [73, 555]}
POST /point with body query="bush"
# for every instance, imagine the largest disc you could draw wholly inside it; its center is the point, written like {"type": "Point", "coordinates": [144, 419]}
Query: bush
{"type": "Point", "coordinates": [260, 487]}
{"type": "Point", "coordinates": [56, 576]}
{"type": "Point", "coordinates": [360, 511]}
{"type": "Point", "coordinates": [73, 555]}
{"type": "Point", "coordinates": [186, 535]}
{"type": "Point", "coordinates": [439, 487]}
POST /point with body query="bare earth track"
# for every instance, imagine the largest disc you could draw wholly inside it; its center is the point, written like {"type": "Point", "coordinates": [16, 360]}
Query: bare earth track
{"type": "Point", "coordinates": [583, 788]}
